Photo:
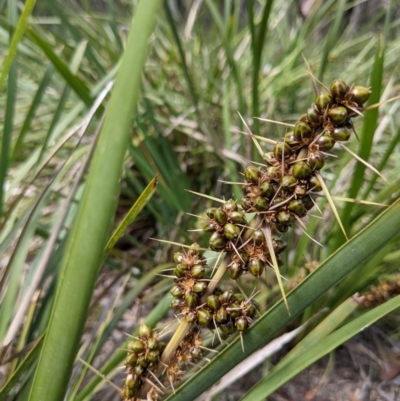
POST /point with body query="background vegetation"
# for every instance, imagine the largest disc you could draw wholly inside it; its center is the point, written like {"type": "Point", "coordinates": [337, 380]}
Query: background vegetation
{"type": "Point", "coordinates": [207, 61]}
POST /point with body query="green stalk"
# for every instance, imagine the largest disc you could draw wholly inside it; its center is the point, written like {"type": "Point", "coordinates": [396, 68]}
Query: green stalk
{"type": "Point", "coordinates": [89, 234]}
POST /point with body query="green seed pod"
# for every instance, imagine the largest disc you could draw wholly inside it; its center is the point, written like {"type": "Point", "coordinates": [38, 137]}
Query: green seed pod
{"type": "Point", "coordinates": [282, 149]}
{"type": "Point", "coordinates": [227, 328]}
{"type": "Point", "coordinates": [235, 271]}
{"type": "Point", "coordinates": [198, 271]}
{"type": "Point", "coordinates": [181, 269]}
{"type": "Point", "coordinates": [220, 217]}
{"type": "Point", "coordinates": [191, 299]}
{"type": "Point", "coordinates": [303, 118]}
{"type": "Point", "coordinates": [296, 206]}
{"type": "Point", "coordinates": [128, 393]}
{"type": "Point", "coordinates": [210, 212]}
{"type": "Point", "coordinates": [238, 218]}
{"type": "Point", "coordinates": [199, 287]}
{"type": "Point", "coordinates": [269, 158]}
{"type": "Point", "coordinates": [217, 242]}
{"type": "Point", "coordinates": [152, 343]}
{"type": "Point", "coordinates": [196, 352]}
{"type": "Point", "coordinates": [251, 174]}
{"type": "Point", "coordinates": [136, 346]}
{"type": "Point", "coordinates": [142, 361]}
{"type": "Point", "coordinates": [226, 297]}
{"type": "Point", "coordinates": [290, 139]}
{"type": "Point", "coordinates": [244, 257]}
{"type": "Point", "coordinates": [177, 291]}
{"type": "Point", "coordinates": [316, 160]}
{"type": "Point", "coordinates": [284, 217]}
{"type": "Point", "coordinates": [279, 245]}
{"type": "Point", "coordinates": [325, 143]}
{"type": "Point", "coordinates": [230, 206]}
{"type": "Point", "coordinates": [258, 237]}
{"type": "Point", "coordinates": [251, 309]}
{"type": "Point", "coordinates": [204, 317]}
{"type": "Point", "coordinates": [313, 115]}
{"type": "Point", "coordinates": [209, 227]}
{"type": "Point", "coordinates": [178, 257]}
{"type": "Point", "coordinates": [338, 115]}
{"type": "Point", "coordinates": [278, 200]}
{"type": "Point", "coordinates": [260, 203]}
{"type": "Point", "coordinates": [239, 297]}
{"type": "Point", "coordinates": [256, 267]}
{"type": "Point", "coordinates": [267, 189]}
{"type": "Point", "coordinates": [221, 315]}
{"type": "Point", "coordinates": [315, 184]}
{"type": "Point", "coordinates": [302, 131]}
{"type": "Point", "coordinates": [190, 317]}
{"type": "Point", "coordinates": [194, 249]}
{"type": "Point", "coordinates": [324, 100]}
{"type": "Point", "coordinates": [231, 231]}
{"type": "Point", "coordinates": [301, 170]}
{"type": "Point", "coordinates": [138, 370]}
{"type": "Point", "coordinates": [339, 89]}
{"type": "Point", "coordinates": [131, 359]}
{"type": "Point", "coordinates": [274, 173]}
{"type": "Point", "coordinates": [144, 331]}
{"type": "Point", "coordinates": [234, 310]}
{"type": "Point", "coordinates": [307, 202]}
{"type": "Point", "coordinates": [241, 324]}
{"type": "Point", "coordinates": [153, 355]}
{"type": "Point", "coordinates": [213, 302]}
{"type": "Point", "coordinates": [341, 134]}
{"type": "Point", "coordinates": [359, 94]}
{"type": "Point", "coordinates": [282, 228]}
{"type": "Point", "coordinates": [288, 181]}
{"type": "Point", "coordinates": [176, 304]}
{"type": "Point", "coordinates": [130, 381]}
{"type": "Point", "coordinates": [246, 204]}
{"type": "Point", "coordinates": [300, 190]}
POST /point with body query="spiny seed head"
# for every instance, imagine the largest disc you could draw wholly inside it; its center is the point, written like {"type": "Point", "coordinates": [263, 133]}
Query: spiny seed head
{"type": "Point", "coordinates": [339, 89]}
{"type": "Point", "coordinates": [246, 204]}
{"type": "Point", "coordinates": [235, 270]}
{"type": "Point", "coordinates": [338, 115]}
{"type": "Point", "coordinates": [210, 212]}
{"type": "Point", "coordinates": [290, 139]}
{"type": "Point", "coordinates": [144, 331]}
{"type": "Point", "coordinates": [221, 315]}
{"type": "Point", "coordinates": [152, 343]}
{"type": "Point", "coordinates": [269, 158]}
{"type": "Point", "coordinates": [131, 359]}
{"type": "Point", "coordinates": [341, 134]}
{"type": "Point", "coordinates": [251, 174]}
{"type": "Point", "coordinates": [153, 355]}
{"type": "Point", "coordinates": [227, 327]}
{"type": "Point", "coordinates": [226, 297]}
{"type": "Point", "coordinates": [301, 170]}
{"type": "Point", "coordinates": [191, 299]}
{"type": "Point", "coordinates": [234, 310]}
{"type": "Point", "coordinates": [176, 304]}
{"type": "Point", "coordinates": [136, 346]}
{"type": "Point", "coordinates": [324, 100]}
{"type": "Point", "coordinates": [359, 94]}
{"type": "Point", "coordinates": [284, 217]}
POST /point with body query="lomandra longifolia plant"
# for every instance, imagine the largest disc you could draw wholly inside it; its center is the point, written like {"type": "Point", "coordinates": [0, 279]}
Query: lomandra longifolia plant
{"type": "Point", "coordinates": [278, 194]}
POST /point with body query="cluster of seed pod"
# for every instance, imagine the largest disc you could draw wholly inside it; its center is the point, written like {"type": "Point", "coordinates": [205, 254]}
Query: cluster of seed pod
{"type": "Point", "coordinates": [190, 282]}
{"type": "Point", "coordinates": [143, 355]}
{"type": "Point", "coordinates": [228, 311]}
{"type": "Point", "coordinates": [382, 292]}
{"type": "Point", "coordinates": [282, 190]}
